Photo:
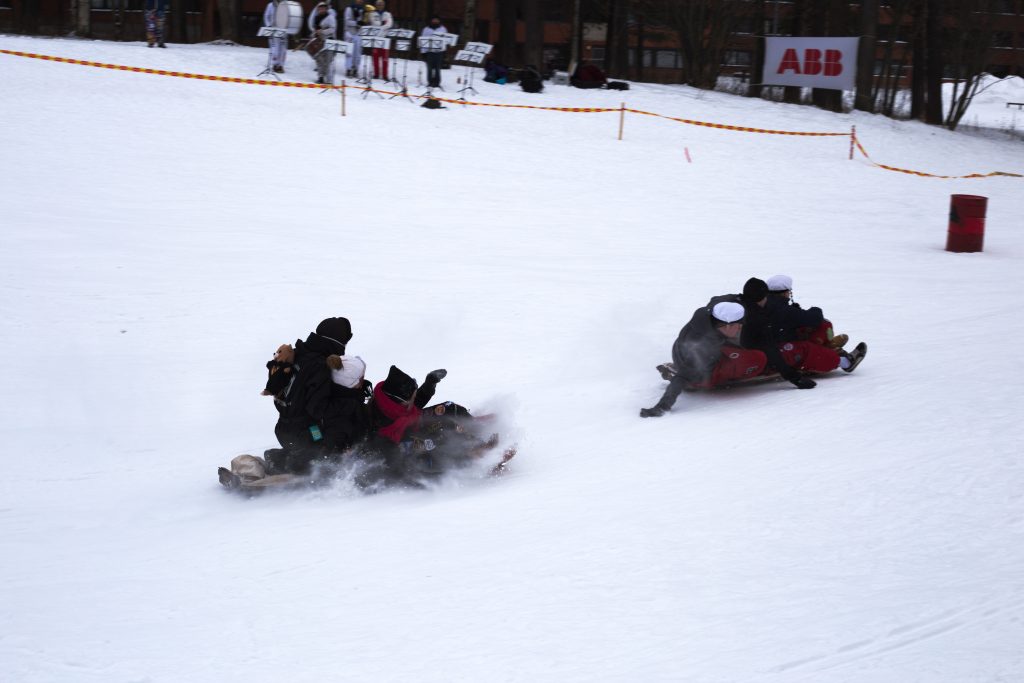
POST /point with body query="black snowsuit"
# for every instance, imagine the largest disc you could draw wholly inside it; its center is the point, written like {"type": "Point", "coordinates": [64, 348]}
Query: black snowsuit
{"type": "Point", "coordinates": [786, 318]}
{"type": "Point", "coordinates": [760, 333]}
{"type": "Point", "coordinates": [301, 426]}
{"type": "Point", "coordinates": [346, 420]}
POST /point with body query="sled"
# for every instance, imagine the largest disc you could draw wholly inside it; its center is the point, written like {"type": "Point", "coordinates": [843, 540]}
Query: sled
{"type": "Point", "coordinates": [668, 371]}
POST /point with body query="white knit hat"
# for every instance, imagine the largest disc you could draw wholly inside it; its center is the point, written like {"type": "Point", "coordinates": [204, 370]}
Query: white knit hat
{"type": "Point", "coordinates": [352, 371]}
{"type": "Point", "coordinates": [780, 283]}
{"type": "Point", "coordinates": [727, 312]}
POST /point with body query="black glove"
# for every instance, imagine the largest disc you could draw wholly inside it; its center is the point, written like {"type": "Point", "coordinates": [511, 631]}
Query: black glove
{"type": "Point", "coordinates": [435, 376]}
{"type": "Point", "coordinates": [804, 383]}
{"type": "Point", "coordinates": [656, 411]}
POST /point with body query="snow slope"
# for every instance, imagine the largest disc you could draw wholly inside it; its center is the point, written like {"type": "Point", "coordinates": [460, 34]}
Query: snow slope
{"type": "Point", "coordinates": [162, 236]}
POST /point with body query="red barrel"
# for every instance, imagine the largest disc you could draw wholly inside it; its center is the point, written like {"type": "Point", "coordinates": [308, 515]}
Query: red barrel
{"type": "Point", "coordinates": [966, 222]}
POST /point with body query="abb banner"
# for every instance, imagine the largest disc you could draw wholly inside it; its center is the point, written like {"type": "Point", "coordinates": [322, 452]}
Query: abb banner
{"type": "Point", "coordinates": [811, 62]}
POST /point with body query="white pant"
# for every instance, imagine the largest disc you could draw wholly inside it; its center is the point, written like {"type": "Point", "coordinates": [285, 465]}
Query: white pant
{"type": "Point", "coordinates": [355, 58]}
{"type": "Point", "coordinates": [278, 51]}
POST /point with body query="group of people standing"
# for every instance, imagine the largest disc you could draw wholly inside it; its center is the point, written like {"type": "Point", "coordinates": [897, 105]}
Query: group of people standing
{"type": "Point", "coordinates": [323, 24]}
{"type": "Point", "coordinates": [328, 411]}
{"type": "Point", "coordinates": [760, 331]}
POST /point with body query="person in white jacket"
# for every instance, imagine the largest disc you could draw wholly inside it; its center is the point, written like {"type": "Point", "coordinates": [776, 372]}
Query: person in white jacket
{"type": "Point", "coordinates": [382, 19]}
{"type": "Point", "coordinates": [323, 24]}
{"type": "Point", "coordinates": [278, 46]}
{"type": "Point", "coordinates": [353, 20]}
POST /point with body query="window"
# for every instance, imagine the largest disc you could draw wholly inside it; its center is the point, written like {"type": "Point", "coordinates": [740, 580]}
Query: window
{"type": "Point", "coordinates": [1005, 7]}
{"type": "Point", "coordinates": [737, 58]}
{"type": "Point", "coordinates": [667, 59]}
{"type": "Point", "coordinates": [597, 54]}
{"type": "Point", "coordinates": [744, 25]}
{"type": "Point", "coordinates": [1002, 39]}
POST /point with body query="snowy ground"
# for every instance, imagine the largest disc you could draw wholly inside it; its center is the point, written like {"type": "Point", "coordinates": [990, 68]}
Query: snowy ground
{"type": "Point", "coordinates": [161, 237]}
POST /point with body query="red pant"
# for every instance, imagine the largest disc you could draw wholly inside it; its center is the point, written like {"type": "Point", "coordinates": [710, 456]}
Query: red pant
{"type": "Point", "coordinates": [380, 62]}
{"type": "Point", "coordinates": [803, 355]}
{"type": "Point", "coordinates": [736, 363]}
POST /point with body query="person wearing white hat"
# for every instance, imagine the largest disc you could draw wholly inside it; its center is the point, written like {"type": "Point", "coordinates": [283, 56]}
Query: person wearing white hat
{"type": "Point", "coordinates": [809, 324]}
{"type": "Point", "coordinates": [707, 352]}
{"type": "Point", "coordinates": [806, 334]}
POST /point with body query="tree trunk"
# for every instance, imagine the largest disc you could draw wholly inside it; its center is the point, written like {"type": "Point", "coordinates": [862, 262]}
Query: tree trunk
{"type": "Point", "coordinates": [757, 63]}
{"type": "Point", "coordinates": [864, 101]}
{"type": "Point", "coordinates": [610, 35]}
{"type": "Point", "coordinates": [791, 94]}
{"type": "Point", "coordinates": [917, 76]}
{"type": "Point", "coordinates": [575, 37]}
{"type": "Point", "coordinates": [639, 53]}
{"type": "Point", "coordinates": [469, 22]}
{"type": "Point", "coordinates": [534, 52]}
{"type": "Point", "coordinates": [228, 11]}
{"type": "Point", "coordinates": [506, 48]}
{"type": "Point", "coordinates": [933, 60]}
{"type": "Point", "coordinates": [622, 40]}
{"type": "Point", "coordinates": [82, 18]}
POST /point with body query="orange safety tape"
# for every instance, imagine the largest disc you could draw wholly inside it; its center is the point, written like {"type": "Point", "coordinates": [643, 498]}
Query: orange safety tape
{"type": "Point", "coordinates": [286, 84]}
{"type": "Point", "coordinates": [318, 86]}
{"type": "Point", "coordinates": [161, 72]}
{"type": "Point", "coordinates": [922, 174]}
{"type": "Point", "coordinates": [744, 129]}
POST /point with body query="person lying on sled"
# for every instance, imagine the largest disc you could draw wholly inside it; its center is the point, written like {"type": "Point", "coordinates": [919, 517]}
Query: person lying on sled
{"type": "Point", "coordinates": [415, 440]}
{"type": "Point", "coordinates": [708, 353]}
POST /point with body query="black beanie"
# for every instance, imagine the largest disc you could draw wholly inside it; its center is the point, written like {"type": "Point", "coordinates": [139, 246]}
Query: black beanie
{"type": "Point", "coordinates": [337, 329]}
{"type": "Point", "coordinates": [399, 385]}
{"type": "Point", "coordinates": [754, 290]}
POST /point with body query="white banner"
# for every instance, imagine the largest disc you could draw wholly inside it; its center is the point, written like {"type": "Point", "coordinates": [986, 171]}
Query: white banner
{"type": "Point", "coordinates": [811, 62]}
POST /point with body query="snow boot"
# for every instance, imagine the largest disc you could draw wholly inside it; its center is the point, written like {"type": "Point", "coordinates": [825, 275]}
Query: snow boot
{"type": "Point", "coordinates": [855, 356]}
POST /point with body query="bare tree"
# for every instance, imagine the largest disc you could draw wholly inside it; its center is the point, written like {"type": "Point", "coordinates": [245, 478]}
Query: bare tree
{"type": "Point", "coordinates": [228, 11]}
{"type": "Point", "coordinates": [969, 47]}
{"type": "Point", "coordinates": [864, 99]}
{"type": "Point", "coordinates": [469, 22]}
{"type": "Point", "coordinates": [757, 63]}
{"type": "Point", "coordinates": [534, 49]}
{"type": "Point", "coordinates": [830, 18]}
{"type": "Point", "coordinates": [933, 63]}
{"type": "Point", "coordinates": [507, 17]}
{"type": "Point", "coordinates": [576, 36]}
{"type": "Point", "coordinates": [703, 28]}
{"type": "Point", "coordinates": [791, 94]}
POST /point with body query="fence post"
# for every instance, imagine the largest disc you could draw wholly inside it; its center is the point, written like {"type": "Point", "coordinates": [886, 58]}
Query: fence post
{"type": "Point", "coordinates": [622, 118]}
{"type": "Point", "coordinates": [853, 137]}
{"type": "Point", "coordinates": [343, 97]}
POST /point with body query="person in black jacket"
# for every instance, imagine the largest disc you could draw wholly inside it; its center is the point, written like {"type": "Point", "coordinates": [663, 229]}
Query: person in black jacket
{"type": "Point", "coordinates": [805, 337]}
{"type": "Point", "coordinates": [347, 417]}
{"type": "Point", "coordinates": [761, 333]}
{"type": "Point", "coordinates": [303, 404]}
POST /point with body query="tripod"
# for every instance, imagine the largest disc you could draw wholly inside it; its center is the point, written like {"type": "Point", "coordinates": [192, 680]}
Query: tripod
{"type": "Point", "coordinates": [404, 91]}
{"type": "Point", "coordinates": [468, 80]}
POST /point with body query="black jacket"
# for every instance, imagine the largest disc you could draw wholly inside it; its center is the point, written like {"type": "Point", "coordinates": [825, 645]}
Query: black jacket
{"type": "Point", "coordinates": [698, 347]}
{"type": "Point", "coordinates": [786, 318]}
{"type": "Point", "coordinates": [346, 419]}
{"type": "Point", "coordinates": [760, 333]}
{"type": "Point", "coordinates": [306, 401]}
